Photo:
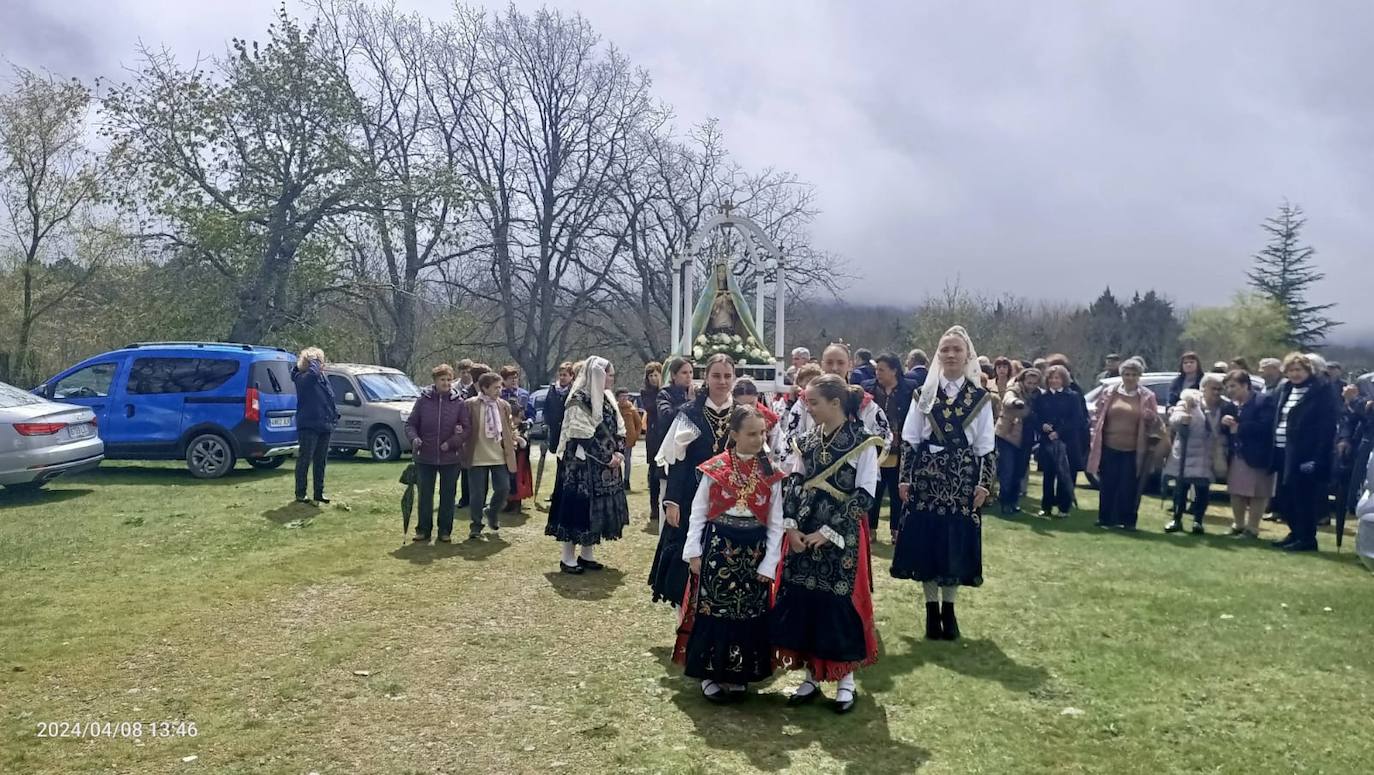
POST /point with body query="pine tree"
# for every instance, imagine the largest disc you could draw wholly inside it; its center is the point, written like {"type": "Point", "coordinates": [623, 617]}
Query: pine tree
{"type": "Point", "coordinates": [1285, 270]}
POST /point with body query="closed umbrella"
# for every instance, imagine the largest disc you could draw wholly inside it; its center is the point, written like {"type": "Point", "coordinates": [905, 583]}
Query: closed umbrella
{"type": "Point", "coordinates": [408, 477]}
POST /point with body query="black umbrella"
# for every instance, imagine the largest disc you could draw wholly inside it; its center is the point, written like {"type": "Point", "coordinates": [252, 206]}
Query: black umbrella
{"type": "Point", "coordinates": [408, 477]}
{"type": "Point", "coordinates": [1180, 487]}
{"type": "Point", "coordinates": [539, 475]}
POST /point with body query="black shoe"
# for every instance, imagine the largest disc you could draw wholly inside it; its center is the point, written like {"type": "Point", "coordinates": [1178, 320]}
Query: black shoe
{"type": "Point", "coordinates": [653, 513]}
{"type": "Point", "coordinates": [1174, 526]}
{"type": "Point", "coordinates": [1198, 529]}
{"type": "Point", "coordinates": [1301, 546]}
{"type": "Point", "coordinates": [798, 700]}
{"type": "Point", "coordinates": [494, 523]}
{"type": "Point", "coordinates": [738, 695]}
{"type": "Point", "coordinates": [321, 499]}
{"type": "Point", "coordinates": [589, 564]}
{"type": "Point", "coordinates": [1236, 531]}
{"type": "Point", "coordinates": [1104, 525]}
{"type": "Point", "coordinates": [844, 706]}
{"type": "Point", "coordinates": [573, 569]}
{"type": "Point", "coordinates": [933, 629]}
{"type": "Point", "coordinates": [1283, 542]}
{"type": "Point", "coordinates": [1045, 513]}
{"type": "Point", "coordinates": [719, 697]}
{"type": "Point", "coordinates": [302, 499]}
{"type": "Point", "coordinates": [475, 533]}
{"type": "Point", "coordinates": [949, 625]}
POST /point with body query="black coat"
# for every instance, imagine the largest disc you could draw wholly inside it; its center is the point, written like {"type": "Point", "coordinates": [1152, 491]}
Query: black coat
{"type": "Point", "coordinates": [897, 408]}
{"type": "Point", "coordinates": [1067, 414]}
{"type": "Point", "coordinates": [1311, 431]}
{"type": "Point", "coordinates": [555, 406]}
{"type": "Point", "coordinates": [1179, 385]}
{"type": "Point", "coordinates": [683, 475]}
{"type": "Point", "coordinates": [315, 409]}
{"type": "Point", "coordinates": [918, 375]}
{"type": "Point", "coordinates": [1253, 438]}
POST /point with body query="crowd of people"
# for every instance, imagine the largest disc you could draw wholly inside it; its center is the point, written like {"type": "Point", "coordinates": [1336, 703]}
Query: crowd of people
{"type": "Point", "coordinates": [767, 505]}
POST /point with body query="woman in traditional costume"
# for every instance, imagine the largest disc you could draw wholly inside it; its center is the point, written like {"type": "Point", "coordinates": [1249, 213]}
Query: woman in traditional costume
{"type": "Point", "coordinates": [699, 431]}
{"type": "Point", "coordinates": [734, 542]}
{"type": "Point", "coordinates": [823, 618]}
{"type": "Point", "coordinates": [948, 470]}
{"type": "Point", "coordinates": [588, 504]}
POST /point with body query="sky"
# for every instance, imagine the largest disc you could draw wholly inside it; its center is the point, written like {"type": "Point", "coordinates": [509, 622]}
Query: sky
{"type": "Point", "coordinates": [1042, 149]}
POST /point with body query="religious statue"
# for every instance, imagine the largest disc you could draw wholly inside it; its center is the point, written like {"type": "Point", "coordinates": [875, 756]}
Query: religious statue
{"type": "Point", "coordinates": [724, 317]}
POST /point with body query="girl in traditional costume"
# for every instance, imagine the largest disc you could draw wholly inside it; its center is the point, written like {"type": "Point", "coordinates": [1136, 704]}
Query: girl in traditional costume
{"type": "Point", "coordinates": [588, 504]}
{"type": "Point", "coordinates": [734, 542]}
{"type": "Point", "coordinates": [823, 618]}
{"type": "Point", "coordinates": [948, 470]}
{"type": "Point", "coordinates": [698, 433]}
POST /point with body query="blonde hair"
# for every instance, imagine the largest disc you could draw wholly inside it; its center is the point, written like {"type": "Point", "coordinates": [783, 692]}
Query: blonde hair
{"type": "Point", "coordinates": [1299, 359]}
{"type": "Point", "coordinates": [307, 355]}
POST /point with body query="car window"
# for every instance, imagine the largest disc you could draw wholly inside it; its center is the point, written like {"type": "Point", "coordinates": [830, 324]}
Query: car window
{"type": "Point", "coordinates": [1161, 391]}
{"type": "Point", "coordinates": [388, 387]}
{"type": "Point", "coordinates": [11, 396]}
{"type": "Point", "coordinates": [340, 386]}
{"type": "Point", "coordinates": [90, 382]}
{"type": "Point", "coordinates": [272, 377]}
{"type": "Point", "coordinates": [152, 376]}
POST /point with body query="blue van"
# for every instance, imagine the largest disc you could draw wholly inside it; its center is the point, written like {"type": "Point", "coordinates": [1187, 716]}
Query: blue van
{"type": "Point", "coordinates": [209, 403]}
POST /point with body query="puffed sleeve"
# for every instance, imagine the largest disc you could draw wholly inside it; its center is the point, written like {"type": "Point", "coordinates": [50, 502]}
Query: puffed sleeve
{"type": "Point", "coordinates": [696, 524]}
{"type": "Point", "coordinates": [773, 554]}
{"type": "Point", "coordinates": [914, 429]}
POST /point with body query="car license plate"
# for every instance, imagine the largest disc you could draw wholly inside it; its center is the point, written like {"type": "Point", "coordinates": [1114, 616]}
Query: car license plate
{"type": "Point", "coordinates": [82, 431]}
{"type": "Point", "coordinates": [279, 422]}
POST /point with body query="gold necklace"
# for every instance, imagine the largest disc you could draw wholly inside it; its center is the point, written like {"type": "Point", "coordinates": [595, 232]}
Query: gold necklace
{"type": "Point", "coordinates": [720, 428]}
{"type": "Point", "coordinates": [744, 482]}
{"type": "Point", "coordinates": [824, 456]}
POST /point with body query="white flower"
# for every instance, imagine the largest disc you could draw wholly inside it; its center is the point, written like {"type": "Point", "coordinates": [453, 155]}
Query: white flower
{"type": "Point", "coordinates": [698, 352]}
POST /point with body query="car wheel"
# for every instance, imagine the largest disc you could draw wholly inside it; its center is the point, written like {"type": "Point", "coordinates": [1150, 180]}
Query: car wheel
{"type": "Point", "coordinates": [343, 451]}
{"type": "Point", "coordinates": [209, 456]}
{"type": "Point", "coordinates": [267, 463]}
{"type": "Point", "coordinates": [384, 446]}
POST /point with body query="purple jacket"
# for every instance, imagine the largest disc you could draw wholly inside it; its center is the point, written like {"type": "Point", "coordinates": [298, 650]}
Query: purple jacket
{"type": "Point", "coordinates": [437, 420]}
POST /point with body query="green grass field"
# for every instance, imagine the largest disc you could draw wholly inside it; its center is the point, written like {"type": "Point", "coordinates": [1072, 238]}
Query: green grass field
{"type": "Point", "coordinates": [306, 640]}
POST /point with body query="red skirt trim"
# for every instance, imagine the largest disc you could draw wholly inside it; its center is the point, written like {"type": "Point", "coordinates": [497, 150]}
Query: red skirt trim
{"type": "Point", "coordinates": [524, 478]}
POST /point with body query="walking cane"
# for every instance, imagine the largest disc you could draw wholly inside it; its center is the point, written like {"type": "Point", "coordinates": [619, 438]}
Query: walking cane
{"type": "Point", "coordinates": [1180, 483]}
{"type": "Point", "coordinates": [539, 476]}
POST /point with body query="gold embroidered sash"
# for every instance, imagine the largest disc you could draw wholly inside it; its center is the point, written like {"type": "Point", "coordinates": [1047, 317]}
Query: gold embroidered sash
{"type": "Point", "coordinates": [821, 481]}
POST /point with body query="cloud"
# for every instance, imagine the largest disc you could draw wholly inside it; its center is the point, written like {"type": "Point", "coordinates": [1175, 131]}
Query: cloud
{"type": "Point", "coordinates": [1039, 149]}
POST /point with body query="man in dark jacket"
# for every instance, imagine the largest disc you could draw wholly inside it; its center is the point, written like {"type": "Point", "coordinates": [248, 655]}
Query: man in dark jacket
{"type": "Point", "coordinates": [917, 367]}
{"type": "Point", "coordinates": [892, 393]}
{"type": "Point", "coordinates": [865, 371]}
{"type": "Point", "coordinates": [555, 402]}
{"type": "Point", "coordinates": [316, 416]}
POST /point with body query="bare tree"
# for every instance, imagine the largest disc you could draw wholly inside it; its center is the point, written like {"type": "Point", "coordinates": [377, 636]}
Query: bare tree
{"type": "Point", "coordinates": [552, 119]}
{"type": "Point", "coordinates": [49, 186]}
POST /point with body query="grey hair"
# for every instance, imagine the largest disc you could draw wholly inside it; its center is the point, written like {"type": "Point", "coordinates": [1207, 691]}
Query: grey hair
{"type": "Point", "coordinates": [802, 351]}
{"type": "Point", "coordinates": [1318, 363]}
{"type": "Point", "coordinates": [1267, 362]}
{"type": "Point", "coordinates": [1212, 378]}
{"type": "Point", "coordinates": [1134, 363]}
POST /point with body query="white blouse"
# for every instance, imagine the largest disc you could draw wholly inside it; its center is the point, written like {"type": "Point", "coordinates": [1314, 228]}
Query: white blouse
{"type": "Point", "coordinates": [982, 432]}
{"type": "Point", "coordinates": [696, 526]}
{"type": "Point", "coordinates": [798, 421]}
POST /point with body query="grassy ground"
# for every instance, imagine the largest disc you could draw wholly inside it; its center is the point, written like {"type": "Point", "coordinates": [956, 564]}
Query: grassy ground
{"type": "Point", "coordinates": [302, 640]}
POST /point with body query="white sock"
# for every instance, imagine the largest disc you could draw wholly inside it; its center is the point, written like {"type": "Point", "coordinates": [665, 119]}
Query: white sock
{"type": "Point", "coordinates": [808, 686]}
{"type": "Point", "coordinates": [948, 593]}
{"type": "Point", "coordinates": [588, 553]}
{"type": "Point", "coordinates": [569, 557]}
{"type": "Point", "coordinates": [932, 591]}
{"type": "Point", "coordinates": [846, 685]}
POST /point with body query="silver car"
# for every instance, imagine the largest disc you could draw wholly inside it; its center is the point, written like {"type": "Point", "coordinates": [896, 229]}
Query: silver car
{"type": "Point", "coordinates": [374, 403]}
{"type": "Point", "coordinates": [40, 439]}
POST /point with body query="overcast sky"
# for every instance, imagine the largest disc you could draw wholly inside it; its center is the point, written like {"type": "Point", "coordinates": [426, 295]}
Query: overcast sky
{"type": "Point", "coordinates": [1043, 149]}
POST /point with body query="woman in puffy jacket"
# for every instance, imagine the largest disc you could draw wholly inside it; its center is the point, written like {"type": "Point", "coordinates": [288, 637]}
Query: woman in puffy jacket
{"type": "Point", "coordinates": [1196, 425]}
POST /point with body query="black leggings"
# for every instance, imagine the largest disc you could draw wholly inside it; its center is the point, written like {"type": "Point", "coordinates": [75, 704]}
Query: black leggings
{"type": "Point", "coordinates": [314, 453]}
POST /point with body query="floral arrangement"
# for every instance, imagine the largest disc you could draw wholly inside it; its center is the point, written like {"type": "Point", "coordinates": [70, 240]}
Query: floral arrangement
{"type": "Point", "coordinates": [741, 349]}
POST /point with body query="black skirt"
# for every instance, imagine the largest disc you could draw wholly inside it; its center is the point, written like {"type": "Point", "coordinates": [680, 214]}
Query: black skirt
{"type": "Point", "coordinates": [588, 505]}
{"type": "Point", "coordinates": [668, 575]}
{"type": "Point", "coordinates": [728, 637]}
{"type": "Point", "coordinates": [941, 538]}
{"type": "Point", "coordinates": [818, 624]}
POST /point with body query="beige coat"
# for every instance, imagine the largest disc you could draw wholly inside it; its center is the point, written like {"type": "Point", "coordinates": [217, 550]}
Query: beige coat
{"type": "Point", "coordinates": [507, 431]}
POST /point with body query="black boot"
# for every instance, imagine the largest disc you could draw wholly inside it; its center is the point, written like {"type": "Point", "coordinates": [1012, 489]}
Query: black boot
{"type": "Point", "coordinates": [948, 624]}
{"type": "Point", "coordinates": [933, 630]}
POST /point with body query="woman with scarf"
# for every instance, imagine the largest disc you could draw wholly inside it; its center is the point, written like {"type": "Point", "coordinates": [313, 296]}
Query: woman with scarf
{"type": "Point", "coordinates": [490, 455]}
{"type": "Point", "coordinates": [823, 616]}
{"type": "Point", "coordinates": [1061, 426]}
{"type": "Point", "coordinates": [588, 504]}
{"type": "Point", "coordinates": [734, 542]}
{"type": "Point", "coordinates": [948, 465]}
{"type": "Point", "coordinates": [698, 432]}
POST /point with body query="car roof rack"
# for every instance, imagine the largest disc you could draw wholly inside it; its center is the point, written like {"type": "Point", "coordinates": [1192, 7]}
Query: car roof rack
{"type": "Point", "coordinates": [244, 347]}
